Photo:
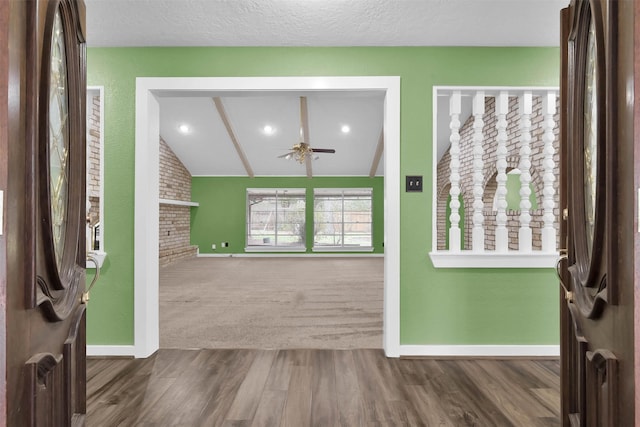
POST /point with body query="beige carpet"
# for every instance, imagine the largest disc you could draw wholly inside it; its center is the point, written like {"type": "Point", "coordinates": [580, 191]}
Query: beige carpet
{"type": "Point", "coordinates": [323, 303]}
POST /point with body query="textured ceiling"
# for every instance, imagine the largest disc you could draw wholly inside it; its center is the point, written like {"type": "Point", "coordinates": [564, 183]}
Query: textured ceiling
{"type": "Point", "coordinates": [208, 150]}
{"type": "Point", "coordinates": [323, 22]}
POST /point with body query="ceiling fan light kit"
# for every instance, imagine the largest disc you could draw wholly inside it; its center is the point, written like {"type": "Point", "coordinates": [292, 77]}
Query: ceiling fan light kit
{"type": "Point", "coordinates": [301, 150]}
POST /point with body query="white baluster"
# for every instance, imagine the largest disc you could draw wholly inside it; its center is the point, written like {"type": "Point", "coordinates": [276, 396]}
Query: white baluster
{"type": "Point", "coordinates": [548, 231]}
{"type": "Point", "coordinates": [524, 234]}
{"type": "Point", "coordinates": [478, 175]}
{"type": "Point", "coordinates": [455, 107]}
{"type": "Point", "coordinates": [502, 234]}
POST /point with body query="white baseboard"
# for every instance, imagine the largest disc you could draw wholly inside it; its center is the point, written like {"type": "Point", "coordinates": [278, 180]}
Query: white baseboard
{"type": "Point", "coordinates": [110, 350]}
{"type": "Point", "coordinates": [289, 255]}
{"type": "Point", "coordinates": [405, 350]}
{"type": "Point", "coordinates": [481, 350]}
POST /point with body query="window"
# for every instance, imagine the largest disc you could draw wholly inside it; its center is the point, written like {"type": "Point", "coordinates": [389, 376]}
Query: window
{"type": "Point", "coordinates": [342, 219]}
{"type": "Point", "coordinates": [276, 219]}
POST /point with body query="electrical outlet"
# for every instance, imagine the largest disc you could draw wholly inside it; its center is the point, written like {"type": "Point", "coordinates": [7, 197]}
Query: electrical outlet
{"type": "Point", "coordinates": [213, 246]}
{"type": "Point", "coordinates": [224, 244]}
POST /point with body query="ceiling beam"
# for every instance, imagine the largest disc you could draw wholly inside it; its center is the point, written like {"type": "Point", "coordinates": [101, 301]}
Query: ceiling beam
{"type": "Point", "coordinates": [378, 155]}
{"type": "Point", "coordinates": [227, 124]}
{"type": "Point", "coordinates": [304, 124]}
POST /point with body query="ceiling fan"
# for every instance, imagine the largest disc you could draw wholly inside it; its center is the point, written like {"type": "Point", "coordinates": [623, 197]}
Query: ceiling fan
{"type": "Point", "coordinates": [302, 151]}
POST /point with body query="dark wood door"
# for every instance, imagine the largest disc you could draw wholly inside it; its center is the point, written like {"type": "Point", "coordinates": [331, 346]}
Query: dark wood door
{"type": "Point", "coordinates": [42, 179]}
{"type": "Point", "coordinates": [598, 203]}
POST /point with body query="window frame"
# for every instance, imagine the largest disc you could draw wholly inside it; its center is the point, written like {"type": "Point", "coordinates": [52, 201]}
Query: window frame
{"type": "Point", "coordinates": [275, 247]}
{"type": "Point", "coordinates": [342, 192]}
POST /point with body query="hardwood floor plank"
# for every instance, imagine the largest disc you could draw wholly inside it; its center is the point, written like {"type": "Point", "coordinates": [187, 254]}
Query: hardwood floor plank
{"type": "Point", "coordinates": [513, 399]}
{"type": "Point", "coordinates": [191, 391]}
{"type": "Point", "coordinates": [156, 392]}
{"type": "Point", "coordinates": [123, 402]}
{"type": "Point", "coordinates": [182, 378]}
{"type": "Point", "coordinates": [549, 398]}
{"type": "Point", "coordinates": [248, 397]}
{"type": "Point", "coordinates": [378, 387]}
{"type": "Point", "coordinates": [176, 388]}
{"type": "Point", "coordinates": [452, 401]}
{"type": "Point", "coordinates": [171, 363]}
{"type": "Point", "coordinates": [348, 395]}
{"type": "Point", "coordinates": [540, 369]}
{"type": "Point", "coordinates": [528, 376]}
{"type": "Point", "coordinates": [458, 393]}
{"type": "Point", "coordinates": [324, 406]}
{"type": "Point", "coordinates": [485, 408]}
{"type": "Point", "coordinates": [515, 371]}
{"type": "Point", "coordinates": [224, 387]}
{"type": "Point", "coordinates": [428, 404]}
{"type": "Point", "coordinates": [301, 357]}
{"type": "Point", "coordinates": [297, 411]}
{"type": "Point", "coordinates": [270, 409]}
{"type": "Point", "coordinates": [280, 373]}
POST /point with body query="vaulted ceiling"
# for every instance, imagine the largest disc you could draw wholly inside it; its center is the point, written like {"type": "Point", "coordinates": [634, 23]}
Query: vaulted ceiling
{"type": "Point", "coordinates": [229, 139]}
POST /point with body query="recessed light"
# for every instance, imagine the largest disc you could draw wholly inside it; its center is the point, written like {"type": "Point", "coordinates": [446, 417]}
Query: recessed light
{"type": "Point", "coordinates": [345, 129]}
{"type": "Point", "coordinates": [269, 130]}
{"type": "Point", "coordinates": [183, 128]}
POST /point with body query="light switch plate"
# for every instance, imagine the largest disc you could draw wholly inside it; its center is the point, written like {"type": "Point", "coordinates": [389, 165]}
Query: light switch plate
{"type": "Point", "coordinates": [414, 183]}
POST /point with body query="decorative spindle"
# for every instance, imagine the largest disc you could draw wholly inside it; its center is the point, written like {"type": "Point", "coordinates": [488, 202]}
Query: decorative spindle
{"type": "Point", "coordinates": [548, 231]}
{"type": "Point", "coordinates": [502, 234]}
{"type": "Point", "coordinates": [524, 234]}
{"type": "Point", "coordinates": [478, 175]}
{"type": "Point", "coordinates": [455, 107]}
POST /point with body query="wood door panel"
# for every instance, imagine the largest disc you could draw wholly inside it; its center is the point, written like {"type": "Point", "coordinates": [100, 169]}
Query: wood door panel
{"type": "Point", "coordinates": [44, 385]}
{"type": "Point", "coordinates": [598, 197]}
{"type": "Point", "coordinates": [75, 361]}
{"type": "Point", "coordinates": [43, 340]}
{"type": "Point", "coordinates": [602, 388]}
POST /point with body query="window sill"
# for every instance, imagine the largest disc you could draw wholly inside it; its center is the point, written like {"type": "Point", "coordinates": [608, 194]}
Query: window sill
{"type": "Point", "coordinates": [342, 249]}
{"type": "Point", "coordinates": [513, 259]}
{"type": "Point", "coordinates": [275, 249]}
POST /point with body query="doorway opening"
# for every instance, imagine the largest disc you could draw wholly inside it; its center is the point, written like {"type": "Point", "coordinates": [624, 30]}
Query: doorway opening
{"type": "Point", "coordinates": [146, 275]}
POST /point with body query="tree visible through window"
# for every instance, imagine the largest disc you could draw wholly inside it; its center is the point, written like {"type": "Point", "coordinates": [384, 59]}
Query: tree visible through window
{"type": "Point", "coordinates": [276, 218]}
{"type": "Point", "coordinates": [343, 218]}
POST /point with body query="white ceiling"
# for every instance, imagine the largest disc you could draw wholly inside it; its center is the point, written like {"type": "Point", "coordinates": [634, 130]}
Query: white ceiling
{"type": "Point", "coordinates": [208, 150]}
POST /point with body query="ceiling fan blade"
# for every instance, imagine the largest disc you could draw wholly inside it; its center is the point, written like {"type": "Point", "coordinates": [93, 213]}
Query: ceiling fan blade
{"type": "Point", "coordinates": [291, 153]}
{"type": "Point", "coordinates": [323, 150]}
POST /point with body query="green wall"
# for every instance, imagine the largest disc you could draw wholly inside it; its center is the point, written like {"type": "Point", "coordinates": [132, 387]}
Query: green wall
{"type": "Point", "coordinates": [444, 306]}
{"type": "Point", "coordinates": [222, 211]}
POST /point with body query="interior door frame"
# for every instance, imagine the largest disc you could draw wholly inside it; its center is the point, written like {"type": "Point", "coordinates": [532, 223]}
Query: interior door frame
{"type": "Point", "coordinates": [146, 221]}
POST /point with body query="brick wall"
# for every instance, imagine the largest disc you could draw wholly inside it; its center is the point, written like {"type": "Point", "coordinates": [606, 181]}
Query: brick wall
{"type": "Point", "coordinates": [175, 221]}
{"type": "Point", "coordinates": [93, 158]}
{"type": "Point", "coordinates": [490, 171]}
{"type": "Point", "coordinates": [175, 179]}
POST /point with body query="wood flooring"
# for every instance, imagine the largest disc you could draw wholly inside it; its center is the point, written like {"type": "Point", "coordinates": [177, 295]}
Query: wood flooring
{"type": "Point", "coordinates": [325, 388]}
